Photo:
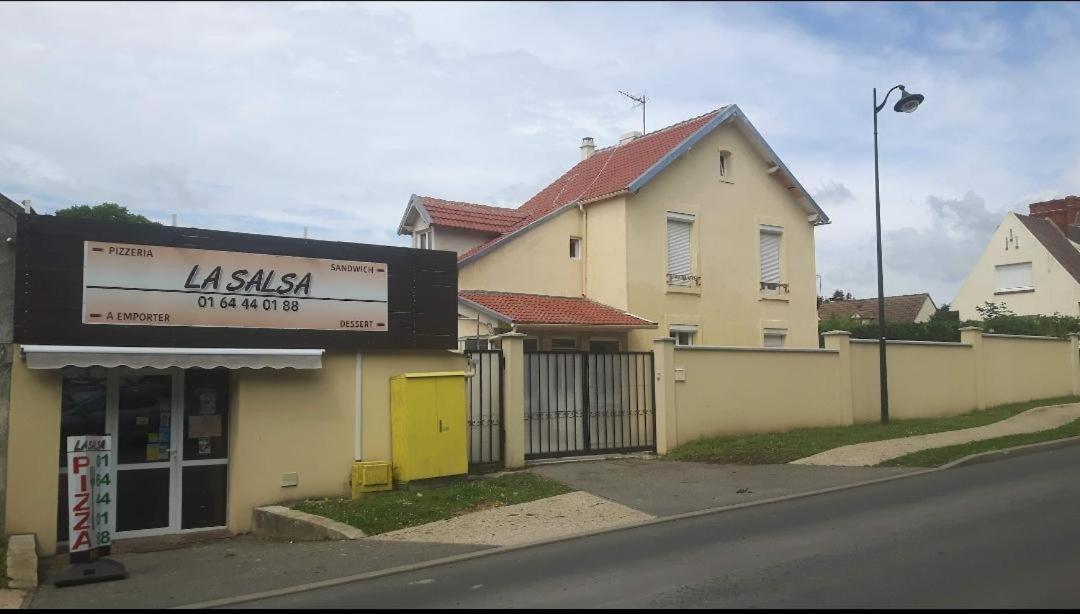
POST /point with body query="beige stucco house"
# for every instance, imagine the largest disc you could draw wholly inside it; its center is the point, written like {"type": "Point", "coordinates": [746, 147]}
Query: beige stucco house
{"type": "Point", "coordinates": [698, 231]}
{"type": "Point", "coordinates": [1031, 264]}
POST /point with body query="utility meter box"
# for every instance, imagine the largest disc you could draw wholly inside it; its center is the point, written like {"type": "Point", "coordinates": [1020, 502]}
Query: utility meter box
{"type": "Point", "coordinates": [428, 429]}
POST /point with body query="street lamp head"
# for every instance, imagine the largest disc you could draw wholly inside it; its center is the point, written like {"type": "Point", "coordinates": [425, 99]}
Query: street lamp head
{"type": "Point", "coordinates": [908, 102]}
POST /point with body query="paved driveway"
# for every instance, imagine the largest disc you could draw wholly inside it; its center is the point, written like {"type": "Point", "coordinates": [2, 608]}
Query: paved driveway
{"type": "Point", "coordinates": [664, 488]}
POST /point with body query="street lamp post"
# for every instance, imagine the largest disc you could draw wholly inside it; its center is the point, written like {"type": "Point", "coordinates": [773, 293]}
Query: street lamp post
{"type": "Point", "coordinates": [907, 104]}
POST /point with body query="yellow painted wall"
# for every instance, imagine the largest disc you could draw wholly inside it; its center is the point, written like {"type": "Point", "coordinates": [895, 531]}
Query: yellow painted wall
{"type": "Point", "coordinates": [378, 368]}
{"type": "Point", "coordinates": [290, 421]}
{"type": "Point", "coordinates": [33, 479]}
{"type": "Point", "coordinates": [729, 391]}
{"type": "Point", "coordinates": [304, 421]}
{"type": "Point", "coordinates": [606, 252]}
{"type": "Point", "coordinates": [1019, 369]}
{"type": "Point", "coordinates": [925, 380]}
{"type": "Point", "coordinates": [729, 308]}
{"type": "Point", "coordinates": [534, 262]}
{"type": "Point", "coordinates": [1055, 289]}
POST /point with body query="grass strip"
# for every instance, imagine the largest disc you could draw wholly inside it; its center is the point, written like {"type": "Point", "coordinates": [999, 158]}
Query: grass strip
{"type": "Point", "coordinates": [936, 457]}
{"type": "Point", "coordinates": [382, 512]}
{"type": "Point", "coordinates": [775, 448]}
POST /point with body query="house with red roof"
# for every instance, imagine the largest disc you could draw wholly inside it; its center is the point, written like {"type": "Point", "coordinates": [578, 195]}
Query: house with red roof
{"type": "Point", "coordinates": [1031, 263]}
{"type": "Point", "coordinates": [696, 231]}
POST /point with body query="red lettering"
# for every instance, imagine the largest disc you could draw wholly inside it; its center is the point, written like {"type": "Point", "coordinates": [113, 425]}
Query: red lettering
{"type": "Point", "coordinates": [78, 463]}
{"type": "Point", "coordinates": [81, 541]}
{"type": "Point", "coordinates": [83, 485]}
{"type": "Point", "coordinates": [82, 502]}
{"type": "Point", "coordinates": [83, 522]}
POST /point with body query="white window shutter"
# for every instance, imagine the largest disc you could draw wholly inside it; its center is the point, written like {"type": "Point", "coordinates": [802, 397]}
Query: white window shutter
{"type": "Point", "coordinates": [1013, 276]}
{"type": "Point", "coordinates": [678, 250]}
{"type": "Point", "coordinates": [770, 257]}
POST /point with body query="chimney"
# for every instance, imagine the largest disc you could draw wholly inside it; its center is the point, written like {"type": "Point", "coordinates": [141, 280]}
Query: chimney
{"type": "Point", "coordinates": [588, 148]}
{"type": "Point", "coordinates": [1063, 212]}
{"type": "Point", "coordinates": [629, 136]}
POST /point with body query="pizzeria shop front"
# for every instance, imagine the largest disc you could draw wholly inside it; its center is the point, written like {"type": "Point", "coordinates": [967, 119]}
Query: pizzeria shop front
{"type": "Point", "coordinates": [231, 370]}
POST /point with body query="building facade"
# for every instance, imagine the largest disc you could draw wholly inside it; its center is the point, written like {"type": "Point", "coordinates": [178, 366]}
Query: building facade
{"type": "Point", "coordinates": [697, 231]}
{"type": "Point", "coordinates": [1031, 264]}
{"type": "Point", "coordinates": [231, 370]}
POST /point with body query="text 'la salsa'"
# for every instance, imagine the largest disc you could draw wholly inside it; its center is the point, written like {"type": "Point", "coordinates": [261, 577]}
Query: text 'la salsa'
{"type": "Point", "coordinates": [242, 280]}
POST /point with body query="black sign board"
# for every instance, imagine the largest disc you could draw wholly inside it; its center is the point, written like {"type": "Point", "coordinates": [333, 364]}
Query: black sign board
{"type": "Point", "coordinates": [420, 290]}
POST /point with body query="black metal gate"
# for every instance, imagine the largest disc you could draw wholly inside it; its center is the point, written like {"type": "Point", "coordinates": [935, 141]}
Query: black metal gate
{"type": "Point", "coordinates": [485, 407]}
{"type": "Point", "coordinates": [580, 403]}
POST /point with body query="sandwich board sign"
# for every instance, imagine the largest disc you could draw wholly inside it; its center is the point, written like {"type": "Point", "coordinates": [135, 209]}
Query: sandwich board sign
{"type": "Point", "coordinates": [91, 482]}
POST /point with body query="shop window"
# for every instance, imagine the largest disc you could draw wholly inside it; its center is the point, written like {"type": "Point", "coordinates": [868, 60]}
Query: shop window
{"type": "Point", "coordinates": [82, 405]}
{"type": "Point", "coordinates": [206, 409]}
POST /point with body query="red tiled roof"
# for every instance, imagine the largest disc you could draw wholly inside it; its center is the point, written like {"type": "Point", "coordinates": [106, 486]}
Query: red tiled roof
{"type": "Point", "coordinates": [470, 216]}
{"type": "Point", "coordinates": [1055, 242]}
{"type": "Point", "coordinates": [608, 171]}
{"type": "Point", "coordinates": [903, 308]}
{"type": "Point", "coordinates": [542, 309]}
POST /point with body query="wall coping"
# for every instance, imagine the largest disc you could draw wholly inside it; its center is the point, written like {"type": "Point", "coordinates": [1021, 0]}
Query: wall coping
{"type": "Point", "coordinates": [911, 342]}
{"type": "Point", "coordinates": [722, 348]}
{"type": "Point", "coordinates": [1034, 337]}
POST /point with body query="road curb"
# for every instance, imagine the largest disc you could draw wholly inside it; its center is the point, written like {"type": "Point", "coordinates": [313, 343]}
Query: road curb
{"type": "Point", "coordinates": [301, 588]}
{"type": "Point", "coordinates": [993, 455]}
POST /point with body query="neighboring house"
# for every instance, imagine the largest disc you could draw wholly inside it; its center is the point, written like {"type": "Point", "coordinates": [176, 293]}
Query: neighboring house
{"type": "Point", "coordinates": [903, 308]}
{"type": "Point", "coordinates": [1032, 263]}
{"type": "Point", "coordinates": [696, 231]}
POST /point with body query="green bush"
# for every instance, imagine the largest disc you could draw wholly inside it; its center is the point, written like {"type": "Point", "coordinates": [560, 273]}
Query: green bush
{"type": "Point", "coordinates": [996, 319]}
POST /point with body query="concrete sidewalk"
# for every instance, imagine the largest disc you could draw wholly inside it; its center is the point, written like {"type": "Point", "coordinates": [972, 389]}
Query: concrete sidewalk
{"type": "Point", "coordinates": [876, 452]}
{"type": "Point", "coordinates": [666, 488]}
{"type": "Point", "coordinates": [232, 567]}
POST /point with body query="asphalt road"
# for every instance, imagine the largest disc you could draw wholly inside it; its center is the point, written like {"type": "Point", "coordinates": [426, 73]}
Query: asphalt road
{"type": "Point", "coordinates": [998, 534]}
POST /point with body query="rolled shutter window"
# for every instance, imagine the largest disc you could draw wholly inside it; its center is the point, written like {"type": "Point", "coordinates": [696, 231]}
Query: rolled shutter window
{"type": "Point", "coordinates": [679, 265]}
{"type": "Point", "coordinates": [770, 256]}
{"type": "Point", "coordinates": [1013, 276]}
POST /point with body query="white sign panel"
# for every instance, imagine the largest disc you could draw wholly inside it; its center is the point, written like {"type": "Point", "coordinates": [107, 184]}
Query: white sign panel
{"type": "Point", "coordinates": [148, 285]}
{"type": "Point", "coordinates": [91, 483]}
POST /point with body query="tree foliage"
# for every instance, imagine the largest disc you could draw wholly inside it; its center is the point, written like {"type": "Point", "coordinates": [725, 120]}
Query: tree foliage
{"type": "Point", "coordinates": [994, 319]}
{"type": "Point", "coordinates": [110, 212]}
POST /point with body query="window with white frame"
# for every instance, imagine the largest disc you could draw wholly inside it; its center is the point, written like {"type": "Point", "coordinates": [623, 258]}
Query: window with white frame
{"type": "Point", "coordinates": [575, 248]}
{"type": "Point", "coordinates": [770, 239]}
{"type": "Point", "coordinates": [1013, 277]}
{"type": "Point", "coordinates": [563, 344]}
{"type": "Point", "coordinates": [476, 343]}
{"type": "Point", "coordinates": [724, 165]}
{"type": "Point", "coordinates": [423, 239]}
{"type": "Point", "coordinates": [774, 337]}
{"type": "Point", "coordinates": [683, 334]}
{"type": "Point", "coordinates": [680, 262]}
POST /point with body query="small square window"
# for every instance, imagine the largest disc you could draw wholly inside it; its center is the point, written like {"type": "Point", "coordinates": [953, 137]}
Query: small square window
{"type": "Point", "coordinates": [774, 338]}
{"type": "Point", "coordinates": [575, 248]}
{"type": "Point", "coordinates": [683, 335]}
{"type": "Point", "coordinates": [603, 345]}
{"type": "Point", "coordinates": [563, 344]}
{"type": "Point", "coordinates": [532, 344]}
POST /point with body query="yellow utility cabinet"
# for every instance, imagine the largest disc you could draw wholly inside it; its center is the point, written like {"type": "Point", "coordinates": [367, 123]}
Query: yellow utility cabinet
{"type": "Point", "coordinates": [428, 425]}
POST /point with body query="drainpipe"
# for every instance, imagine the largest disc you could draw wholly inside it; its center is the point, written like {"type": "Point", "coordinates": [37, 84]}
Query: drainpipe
{"type": "Point", "coordinates": [584, 250]}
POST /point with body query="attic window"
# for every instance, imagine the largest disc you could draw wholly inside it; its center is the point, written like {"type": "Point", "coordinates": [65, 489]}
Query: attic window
{"type": "Point", "coordinates": [423, 239]}
{"type": "Point", "coordinates": [724, 165]}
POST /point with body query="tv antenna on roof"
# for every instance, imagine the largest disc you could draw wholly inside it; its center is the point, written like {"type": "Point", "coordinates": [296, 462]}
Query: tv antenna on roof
{"type": "Point", "coordinates": [640, 101]}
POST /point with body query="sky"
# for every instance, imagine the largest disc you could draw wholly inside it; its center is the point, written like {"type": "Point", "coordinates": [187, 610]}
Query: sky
{"type": "Point", "coordinates": [268, 117]}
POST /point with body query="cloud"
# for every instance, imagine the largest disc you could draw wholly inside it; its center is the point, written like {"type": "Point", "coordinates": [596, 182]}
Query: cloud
{"type": "Point", "coordinates": [942, 253]}
{"type": "Point", "coordinates": [272, 116]}
{"type": "Point", "coordinates": [833, 193]}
